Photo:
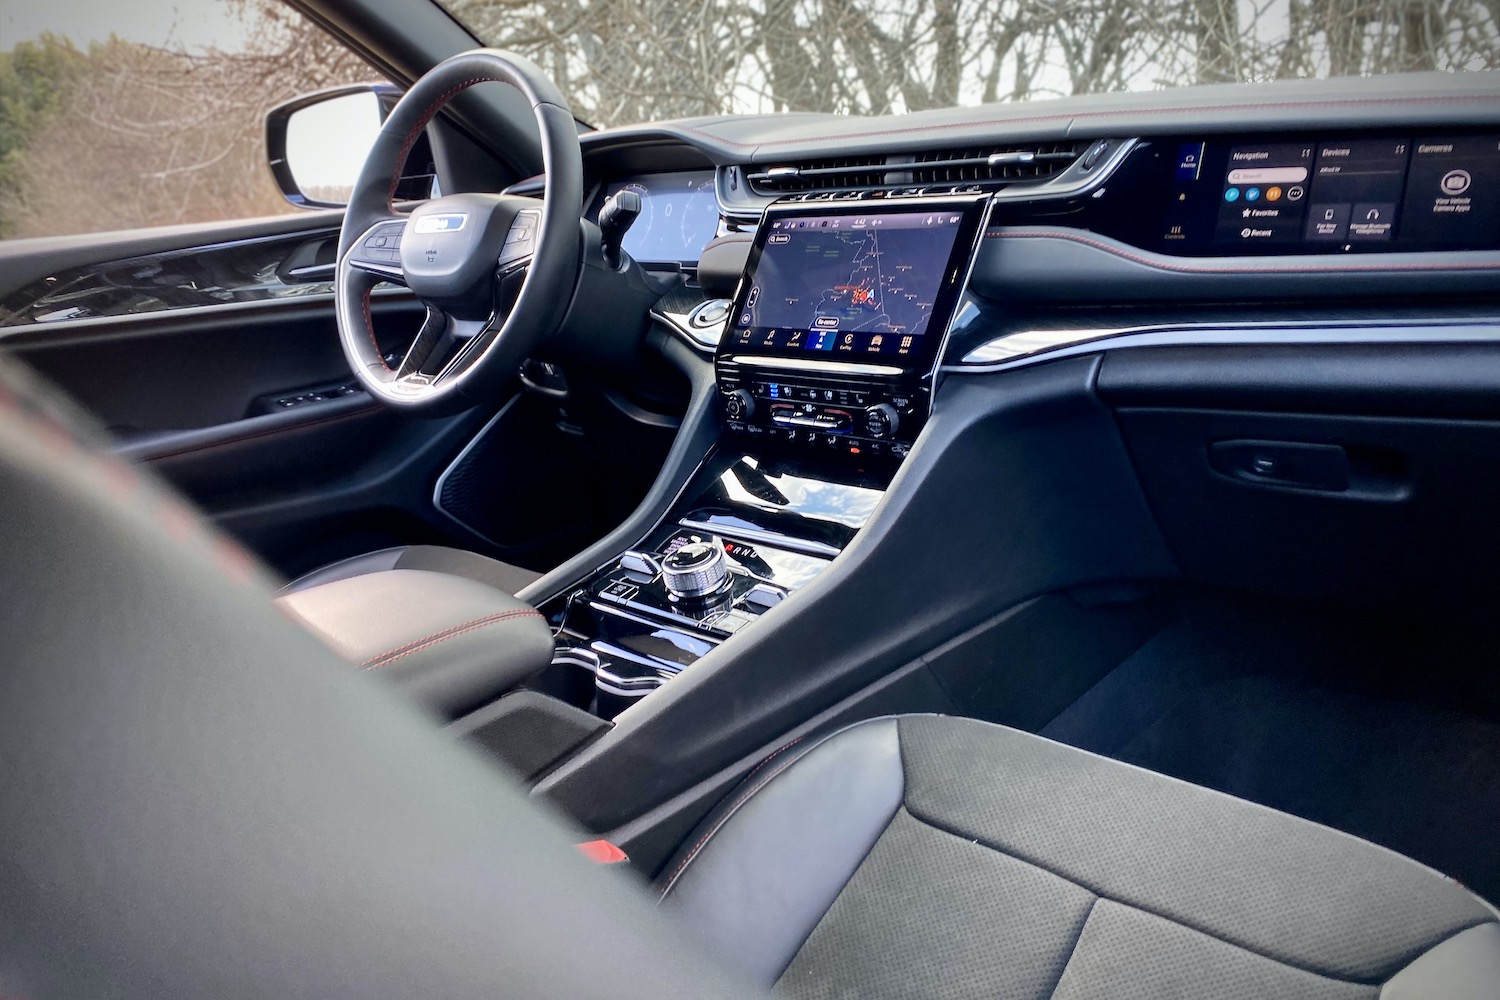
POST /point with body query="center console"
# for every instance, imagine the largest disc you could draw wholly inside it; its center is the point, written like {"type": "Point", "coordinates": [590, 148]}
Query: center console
{"type": "Point", "coordinates": [824, 378]}
{"type": "Point", "coordinates": [747, 534]}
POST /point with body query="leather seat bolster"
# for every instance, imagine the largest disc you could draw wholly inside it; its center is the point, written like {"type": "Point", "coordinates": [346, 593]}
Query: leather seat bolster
{"type": "Point", "coordinates": [436, 558]}
{"type": "Point", "coordinates": [784, 846]}
{"type": "Point", "coordinates": [451, 642]}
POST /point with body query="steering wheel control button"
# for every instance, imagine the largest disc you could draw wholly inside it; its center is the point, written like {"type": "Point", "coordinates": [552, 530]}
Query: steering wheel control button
{"type": "Point", "coordinates": [695, 570]}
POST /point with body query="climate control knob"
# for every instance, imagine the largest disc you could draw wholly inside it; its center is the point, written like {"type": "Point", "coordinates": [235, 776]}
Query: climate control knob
{"type": "Point", "coordinates": [738, 405]}
{"type": "Point", "coordinates": [881, 420]}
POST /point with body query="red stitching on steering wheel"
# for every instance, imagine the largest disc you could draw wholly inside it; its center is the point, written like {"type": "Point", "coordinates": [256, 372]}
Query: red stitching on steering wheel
{"type": "Point", "coordinates": [411, 137]}
{"type": "Point", "coordinates": [370, 328]}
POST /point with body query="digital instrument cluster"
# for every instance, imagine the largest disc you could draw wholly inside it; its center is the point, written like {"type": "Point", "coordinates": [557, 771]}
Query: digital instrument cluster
{"type": "Point", "coordinates": [679, 216]}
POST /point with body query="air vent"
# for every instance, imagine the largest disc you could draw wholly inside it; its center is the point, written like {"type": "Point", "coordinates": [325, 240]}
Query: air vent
{"type": "Point", "coordinates": [989, 165]}
{"type": "Point", "coordinates": [978, 167]}
{"type": "Point", "coordinates": [819, 175]}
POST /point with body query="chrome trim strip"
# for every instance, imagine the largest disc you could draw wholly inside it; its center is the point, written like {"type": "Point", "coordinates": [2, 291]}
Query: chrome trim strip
{"type": "Point", "coordinates": [1029, 347]}
{"type": "Point", "coordinates": [962, 303]}
{"type": "Point", "coordinates": [826, 367]}
{"type": "Point", "coordinates": [1068, 184]}
{"type": "Point", "coordinates": [576, 656]}
{"type": "Point", "coordinates": [806, 547]}
{"type": "Point", "coordinates": [703, 339]}
{"type": "Point", "coordinates": [1073, 181]}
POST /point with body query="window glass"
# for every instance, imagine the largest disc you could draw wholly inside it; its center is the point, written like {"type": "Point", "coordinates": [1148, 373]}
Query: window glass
{"type": "Point", "coordinates": [149, 112]}
{"type": "Point", "coordinates": [625, 61]}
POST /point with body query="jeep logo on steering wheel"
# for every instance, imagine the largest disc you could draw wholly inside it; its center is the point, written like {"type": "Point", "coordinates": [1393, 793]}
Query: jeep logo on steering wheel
{"type": "Point", "coordinates": [439, 224]}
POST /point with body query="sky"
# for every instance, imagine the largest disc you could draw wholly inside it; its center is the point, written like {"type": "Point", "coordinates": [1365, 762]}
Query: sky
{"type": "Point", "coordinates": [193, 24]}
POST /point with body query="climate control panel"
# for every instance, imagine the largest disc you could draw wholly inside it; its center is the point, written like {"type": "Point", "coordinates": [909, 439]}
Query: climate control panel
{"type": "Point", "coordinates": [859, 417]}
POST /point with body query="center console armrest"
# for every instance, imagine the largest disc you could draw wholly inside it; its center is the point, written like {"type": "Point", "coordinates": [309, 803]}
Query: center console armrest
{"type": "Point", "coordinates": [451, 643]}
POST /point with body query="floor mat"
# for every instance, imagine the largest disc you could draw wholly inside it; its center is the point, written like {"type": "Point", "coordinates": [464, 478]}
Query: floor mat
{"type": "Point", "coordinates": [1385, 731]}
{"type": "Point", "coordinates": [1419, 780]}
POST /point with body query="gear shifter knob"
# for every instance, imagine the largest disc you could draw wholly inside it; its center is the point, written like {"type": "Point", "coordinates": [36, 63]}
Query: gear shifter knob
{"type": "Point", "coordinates": [615, 219]}
{"type": "Point", "coordinates": [695, 570]}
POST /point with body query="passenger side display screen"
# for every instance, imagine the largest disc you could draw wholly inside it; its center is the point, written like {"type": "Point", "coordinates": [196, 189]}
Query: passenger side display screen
{"type": "Point", "coordinates": [853, 285]}
{"type": "Point", "coordinates": [1331, 195]}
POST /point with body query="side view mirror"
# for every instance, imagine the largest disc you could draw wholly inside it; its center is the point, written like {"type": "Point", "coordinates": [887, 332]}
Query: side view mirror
{"type": "Point", "coordinates": [317, 145]}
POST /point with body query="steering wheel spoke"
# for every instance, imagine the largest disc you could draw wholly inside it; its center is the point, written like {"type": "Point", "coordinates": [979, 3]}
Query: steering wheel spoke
{"type": "Point", "coordinates": [378, 251]}
{"type": "Point", "coordinates": [443, 348]}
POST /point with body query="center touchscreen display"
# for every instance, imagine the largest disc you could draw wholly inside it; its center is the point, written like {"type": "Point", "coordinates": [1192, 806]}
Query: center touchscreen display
{"type": "Point", "coordinates": [854, 285]}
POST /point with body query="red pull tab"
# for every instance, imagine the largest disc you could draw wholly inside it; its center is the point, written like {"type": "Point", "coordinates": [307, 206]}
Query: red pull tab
{"type": "Point", "coordinates": [602, 852]}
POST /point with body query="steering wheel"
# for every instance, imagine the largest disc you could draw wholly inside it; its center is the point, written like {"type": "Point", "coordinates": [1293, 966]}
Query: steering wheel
{"type": "Point", "coordinates": [496, 273]}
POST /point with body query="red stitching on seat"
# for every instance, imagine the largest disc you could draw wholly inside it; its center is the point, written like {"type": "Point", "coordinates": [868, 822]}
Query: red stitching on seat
{"type": "Point", "coordinates": [417, 645]}
{"type": "Point", "coordinates": [741, 800]}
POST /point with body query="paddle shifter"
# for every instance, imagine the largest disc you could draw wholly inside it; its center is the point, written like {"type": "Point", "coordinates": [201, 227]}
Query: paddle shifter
{"type": "Point", "coordinates": [615, 219]}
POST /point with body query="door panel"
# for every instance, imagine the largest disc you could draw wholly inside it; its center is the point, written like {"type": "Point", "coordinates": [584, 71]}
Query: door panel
{"type": "Point", "coordinates": [247, 407]}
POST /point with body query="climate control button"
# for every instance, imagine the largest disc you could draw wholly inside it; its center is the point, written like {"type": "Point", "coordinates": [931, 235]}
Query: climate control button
{"type": "Point", "coordinates": [738, 405]}
{"type": "Point", "coordinates": [881, 420]}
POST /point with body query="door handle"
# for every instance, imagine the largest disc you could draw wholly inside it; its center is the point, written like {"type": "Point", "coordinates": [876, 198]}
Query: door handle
{"type": "Point", "coordinates": [1361, 473]}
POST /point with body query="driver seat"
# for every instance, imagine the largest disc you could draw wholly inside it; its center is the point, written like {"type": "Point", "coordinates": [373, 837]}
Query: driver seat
{"type": "Point", "coordinates": [431, 558]}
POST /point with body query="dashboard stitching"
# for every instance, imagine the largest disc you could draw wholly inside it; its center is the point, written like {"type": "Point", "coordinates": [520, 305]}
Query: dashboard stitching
{"type": "Point", "coordinates": [1083, 115]}
{"type": "Point", "coordinates": [1186, 268]}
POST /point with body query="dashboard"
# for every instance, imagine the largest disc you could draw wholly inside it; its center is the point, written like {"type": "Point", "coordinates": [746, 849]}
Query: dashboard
{"type": "Point", "coordinates": [861, 261]}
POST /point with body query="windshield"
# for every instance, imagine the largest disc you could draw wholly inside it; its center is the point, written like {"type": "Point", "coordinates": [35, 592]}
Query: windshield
{"type": "Point", "coordinates": [626, 61]}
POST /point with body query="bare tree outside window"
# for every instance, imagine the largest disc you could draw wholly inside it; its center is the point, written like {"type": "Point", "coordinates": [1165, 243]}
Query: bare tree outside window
{"type": "Point", "coordinates": [637, 60]}
{"type": "Point", "coordinates": [123, 134]}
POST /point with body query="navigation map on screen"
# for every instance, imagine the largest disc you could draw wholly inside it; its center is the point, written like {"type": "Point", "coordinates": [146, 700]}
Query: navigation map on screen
{"type": "Point", "coordinates": [849, 283]}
